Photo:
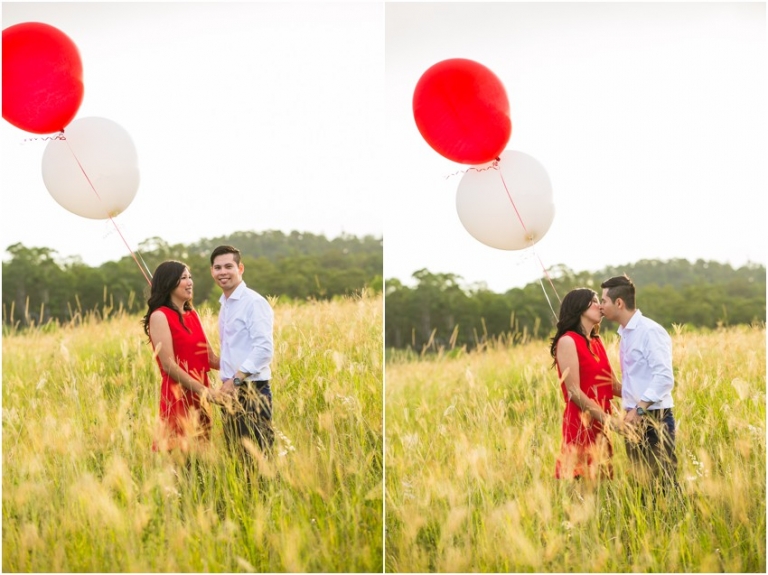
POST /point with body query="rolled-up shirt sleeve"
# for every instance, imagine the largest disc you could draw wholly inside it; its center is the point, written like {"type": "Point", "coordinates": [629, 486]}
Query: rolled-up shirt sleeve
{"type": "Point", "coordinates": [260, 324]}
{"type": "Point", "coordinates": [659, 358]}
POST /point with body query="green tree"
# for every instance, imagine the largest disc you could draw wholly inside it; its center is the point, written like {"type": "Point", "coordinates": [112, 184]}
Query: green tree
{"type": "Point", "coordinates": [701, 294]}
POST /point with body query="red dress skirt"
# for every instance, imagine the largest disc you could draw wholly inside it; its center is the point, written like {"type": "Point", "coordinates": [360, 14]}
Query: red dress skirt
{"type": "Point", "coordinates": [181, 416]}
{"type": "Point", "coordinates": [586, 449]}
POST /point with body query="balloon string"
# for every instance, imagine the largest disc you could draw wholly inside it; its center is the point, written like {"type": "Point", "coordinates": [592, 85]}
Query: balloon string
{"type": "Point", "coordinates": [522, 223]}
{"type": "Point", "coordinates": [493, 166]}
{"type": "Point", "coordinates": [530, 239]}
{"type": "Point", "coordinates": [146, 277]}
{"type": "Point", "coordinates": [546, 296]}
{"type": "Point", "coordinates": [59, 136]}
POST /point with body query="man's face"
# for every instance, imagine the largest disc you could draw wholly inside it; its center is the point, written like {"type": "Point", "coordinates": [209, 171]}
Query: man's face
{"type": "Point", "coordinates": [226, 272]}
{"type": "Point", "coordinates": [608, 307]}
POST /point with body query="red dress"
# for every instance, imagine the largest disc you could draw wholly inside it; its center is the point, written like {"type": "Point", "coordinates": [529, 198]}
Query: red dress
{"type": "Point", "coordinates": [181, 416]}
{"type": "Point", "coordinates": [586, 449]}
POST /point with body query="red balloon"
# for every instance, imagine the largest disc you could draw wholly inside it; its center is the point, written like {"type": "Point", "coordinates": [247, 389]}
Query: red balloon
{"type": "Point", "coordinates": [42, 78]}
{"type": "Point", "coordinates": [462, 111]}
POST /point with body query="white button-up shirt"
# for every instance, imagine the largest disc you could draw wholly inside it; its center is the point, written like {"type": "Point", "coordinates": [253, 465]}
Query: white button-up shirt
{"type": "Point", "coordinates": [645, 353]}
{"type": "Point", "coordinates": [245, 332]}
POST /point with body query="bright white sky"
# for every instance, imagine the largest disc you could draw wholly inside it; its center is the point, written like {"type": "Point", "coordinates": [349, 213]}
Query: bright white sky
{"type": "Point", "coordinates": [244, 116]}
{"type": "Point", "coordinates": [650, 119]}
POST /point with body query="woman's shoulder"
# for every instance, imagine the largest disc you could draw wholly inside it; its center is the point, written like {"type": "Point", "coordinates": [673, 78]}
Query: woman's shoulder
{"type": "Point", "coordinates": [574, 335]}
{"type": "Point", "coordinates": [578, 340]}
{"type": "Point", "coordinates": [158, 321]}
{"type": "Point", "coordinates": [163, 310]}
{"type": "Point", "coordinates": [568, 338]}
{"type": "Point", "coordinates": [170, 314]}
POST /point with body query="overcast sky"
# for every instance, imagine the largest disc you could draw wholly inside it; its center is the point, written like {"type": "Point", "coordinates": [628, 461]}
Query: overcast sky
{"type": "Point", "coordinates": [650, 119]}
{"type": "Point", "coordinates": [244, 117]}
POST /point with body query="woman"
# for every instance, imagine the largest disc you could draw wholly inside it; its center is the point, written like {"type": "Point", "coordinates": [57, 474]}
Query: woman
{"type": "Point", "coordinates": [183, 355]}
{"type": "Point", "coordinates": [588, 385]}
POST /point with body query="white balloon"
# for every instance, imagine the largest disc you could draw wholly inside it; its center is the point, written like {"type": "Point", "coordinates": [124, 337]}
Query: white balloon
{"type": "Point", "coordinates": [511, 218]}
{"type": "Point", "coordinates": [94, 172]}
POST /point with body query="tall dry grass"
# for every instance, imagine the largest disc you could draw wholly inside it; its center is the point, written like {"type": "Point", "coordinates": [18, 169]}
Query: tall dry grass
{"type": "Point", "coordinates": [471, 443]}
{"type": "Point", "coordinates": [82, 490]}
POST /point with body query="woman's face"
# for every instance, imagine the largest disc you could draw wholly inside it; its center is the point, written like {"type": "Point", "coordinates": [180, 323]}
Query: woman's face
{"type": "Point", "coordinates": [592, 313]}
{"type": "Point", "coordinates": [183, 291]}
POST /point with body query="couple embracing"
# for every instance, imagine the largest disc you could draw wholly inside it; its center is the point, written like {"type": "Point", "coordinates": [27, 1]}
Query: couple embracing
{"type": "Point", "coordinates": [185, 357]}
{"type": "Point", "coordinates": [589, 385]}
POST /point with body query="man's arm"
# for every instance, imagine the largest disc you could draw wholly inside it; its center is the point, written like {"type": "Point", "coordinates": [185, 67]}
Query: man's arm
{"type": "Point", "coordinates": [260, 324]}
{"type": "Point", "coordinates": [658, 354]}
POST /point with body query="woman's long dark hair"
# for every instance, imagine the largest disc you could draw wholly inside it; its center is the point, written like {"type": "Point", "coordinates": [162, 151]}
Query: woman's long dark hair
{"type": "Point", "coordinates": [165, 279]}
{"type": "Point", "coordinates": [575, 303]}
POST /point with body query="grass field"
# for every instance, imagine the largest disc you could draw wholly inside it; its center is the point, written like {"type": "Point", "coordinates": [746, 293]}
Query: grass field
{"type": "Point", "coordinates": [83, 492]}
{"type": "Point", "coordinates": [471, 443]}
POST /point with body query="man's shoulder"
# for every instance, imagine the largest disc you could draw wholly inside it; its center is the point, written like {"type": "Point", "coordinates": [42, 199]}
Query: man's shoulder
{"type": "Point", "coordinates": [244, 292]}
{"type": "Point", "coordinates": [651, 323]}
{"type": "Point", "coordinates": [252, 295]}
{"type": "Point", "coordinates": [639, 319]}
{"type": "Point", "coordinates": [653, 328]}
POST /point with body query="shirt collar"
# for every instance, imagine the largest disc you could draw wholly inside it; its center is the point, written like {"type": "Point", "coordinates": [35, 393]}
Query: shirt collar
{"type": "Point", "coordinates": [239, 290]}
{"type": "Point", "coordinates": [633, 321]}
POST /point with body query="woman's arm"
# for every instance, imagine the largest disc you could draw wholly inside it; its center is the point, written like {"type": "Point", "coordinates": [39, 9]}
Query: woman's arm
{"type": "Point", "coordinates": [568, 361]}
{"type": "Point", "coordinates": [616, 384]}
{"type": "Point", "coordinates": [213, 359]}
{"type": "Point", "coordinates": [162, 340]}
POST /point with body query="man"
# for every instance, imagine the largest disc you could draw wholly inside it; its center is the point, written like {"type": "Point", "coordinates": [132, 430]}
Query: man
{"type": "Point", "coordinates": [645, 353]}
{"type": "Point", "coordinates": [245, 333]}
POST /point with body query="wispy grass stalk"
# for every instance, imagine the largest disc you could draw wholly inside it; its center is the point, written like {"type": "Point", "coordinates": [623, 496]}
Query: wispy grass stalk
{"type": "Point", "coordinates": [82, 490]}
{"type": "Point", "coordinates": [472, 440]}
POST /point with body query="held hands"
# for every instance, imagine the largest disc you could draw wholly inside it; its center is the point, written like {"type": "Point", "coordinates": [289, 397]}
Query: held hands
{"type": "Point", "coordinates": [621, 424]}
{"type": "Point", "coordinates": [210, 395]}
{"type": "Point", "coordinates": [228, 387]}
{"type": "Point", "coordinates": [217, 396]}
{"type": "Point", "coordinates": [626, 424]}
{"type": "Point", "coordinates": [224, 396]}
{"type": "Point", "coordinates": [632, 417]}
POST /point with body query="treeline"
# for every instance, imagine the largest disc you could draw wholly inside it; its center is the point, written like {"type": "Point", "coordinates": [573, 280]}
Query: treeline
{"type": "Point", "coordinates": [38, 286]}
{"type": "Point", "coordinates": [438, 312]}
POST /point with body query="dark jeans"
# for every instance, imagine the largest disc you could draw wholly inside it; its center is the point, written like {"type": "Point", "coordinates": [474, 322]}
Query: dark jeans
{"type": "Point", "coordinates": [251, 418]}
{"type": "Point", "coordinates": [655, 452]}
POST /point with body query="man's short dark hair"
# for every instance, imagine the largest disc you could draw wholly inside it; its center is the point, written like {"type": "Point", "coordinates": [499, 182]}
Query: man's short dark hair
{"type": "Point", "coordinates": [620, 287]}
{"type": "Point", "coordinates": [221, 250]}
